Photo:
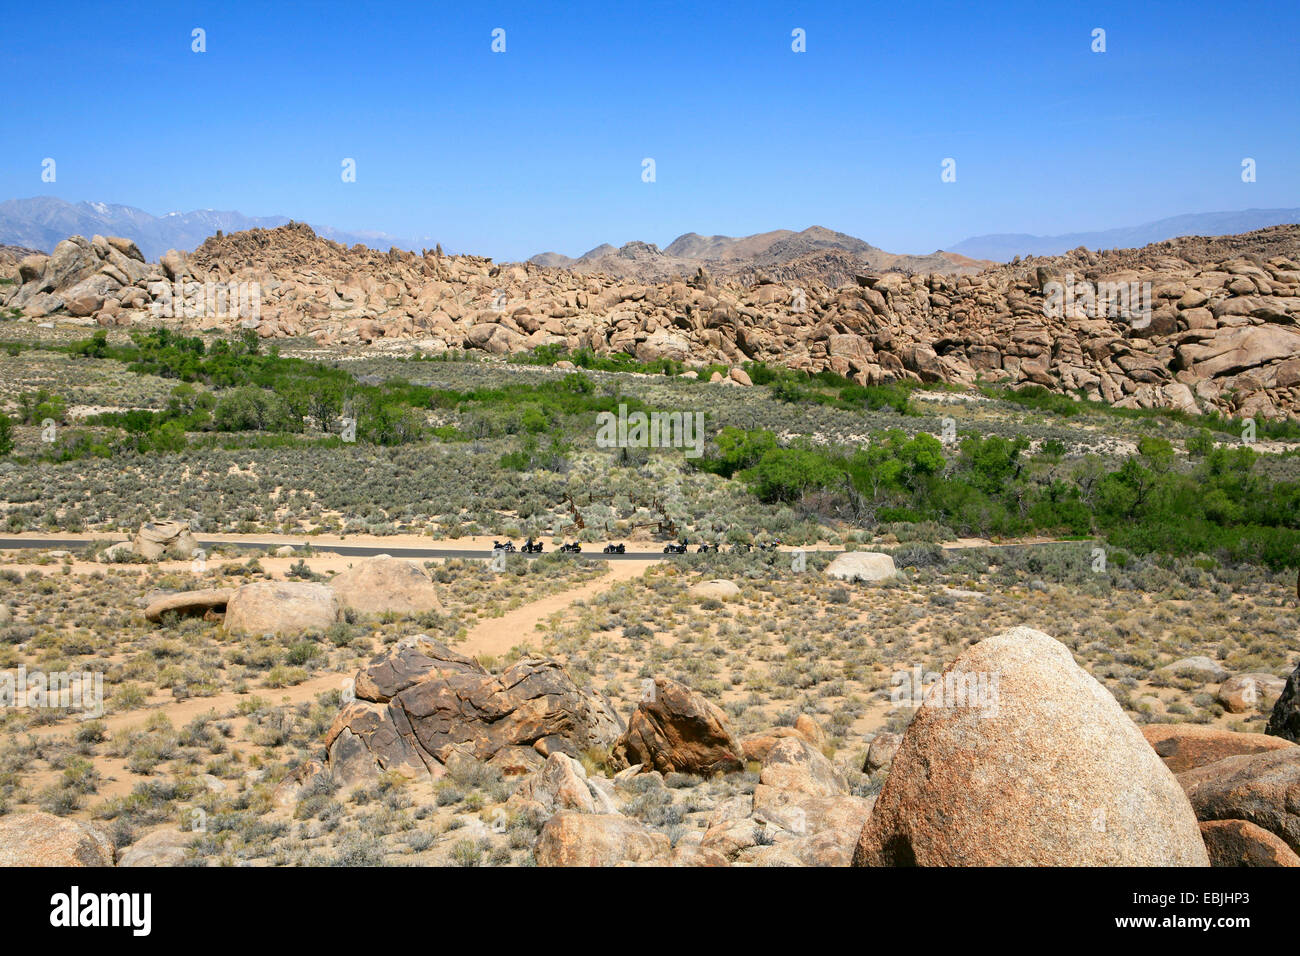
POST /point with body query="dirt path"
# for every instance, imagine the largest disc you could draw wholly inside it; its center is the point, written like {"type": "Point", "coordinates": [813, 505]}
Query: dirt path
{"type": "Point", "coordinates": [496, 636]}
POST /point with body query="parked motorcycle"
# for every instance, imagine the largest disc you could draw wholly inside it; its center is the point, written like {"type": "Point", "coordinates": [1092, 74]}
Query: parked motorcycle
{"type": "Point", "coordinates": [616, 549]}
{"type": "Point", "coordinates": [707, 549]}
{"type": "Point", "coordinates": [508, 547]}
{"type": "Point", "coordinates": [674, 549]}
{"type": "Point", "coordinates": [532, 547]}
{"type": "Point", "coordinates": [574, 548]}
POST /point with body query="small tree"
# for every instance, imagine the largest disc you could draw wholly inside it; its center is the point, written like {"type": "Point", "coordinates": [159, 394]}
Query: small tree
{"type": "Point", "coordinates": [6, 435]}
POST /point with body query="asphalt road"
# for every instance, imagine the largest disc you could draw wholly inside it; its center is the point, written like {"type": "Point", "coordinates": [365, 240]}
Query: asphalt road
{"type": "Point", "coordinates": [72, 544]}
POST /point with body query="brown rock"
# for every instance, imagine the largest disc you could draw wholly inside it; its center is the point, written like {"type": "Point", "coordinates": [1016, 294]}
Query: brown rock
{"type": "Point", "coordinates": [1262, 788]}
{"type": "Point", "coordinates": [678, 730]}
{"type": "Point", "coordinates": [1186, 746]}
{"type": "Point", "coordinates": [1247, 692]}
{"type": "Point", "coordinates": [1240, 843]}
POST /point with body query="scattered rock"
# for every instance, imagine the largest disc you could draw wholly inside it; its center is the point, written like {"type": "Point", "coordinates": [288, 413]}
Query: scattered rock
{"type": "Point", "coordinates": [190, 603]}
{"type": "Point", "coordinates": [717, 589]}
{"type": "Point", "coordinates": [862, 566]}
{"type": "Point", "coordinates": [1197, 668]}
{"type": "Point", "coordinates": [383, 584]}
{"type": "Point", "coordinates": [1247, 692]}
{"type": "Point", "coordinates": [795, 765]}
{"type": "Point", "coordinates": [598, 839]}
{"type": "Point", "coordinates": [275, 607]}
{"type": "Point", "coordinates": [881, 753]}
{"type": "Point", "coordinates": [171, 539]}
{"type": "Point", "coordinates": [160, 848]}
{"type": "Point", "coordinates": [42, 839]}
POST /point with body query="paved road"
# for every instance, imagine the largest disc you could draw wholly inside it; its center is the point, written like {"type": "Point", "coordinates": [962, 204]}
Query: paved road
{"type": "Point", "coordinates": [72, 544]}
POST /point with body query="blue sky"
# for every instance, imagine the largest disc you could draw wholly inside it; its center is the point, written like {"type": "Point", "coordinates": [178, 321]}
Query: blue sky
{"type": "Point", "coordinates": [541, 147]}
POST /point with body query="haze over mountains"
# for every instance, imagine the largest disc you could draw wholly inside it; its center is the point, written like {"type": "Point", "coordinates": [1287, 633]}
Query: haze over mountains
{"type": "Point", "coordinates": [780, 255]}
{"type": "Point", "coordinates": [42, 222]}
{"type": "Point", "coordinates": [1003, 247]}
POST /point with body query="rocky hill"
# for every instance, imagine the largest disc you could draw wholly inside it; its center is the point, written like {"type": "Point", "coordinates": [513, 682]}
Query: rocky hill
{"type": "Point", "coordinates": [1219, 334]}
{"type": "Point", "coordinates": [815, 253]}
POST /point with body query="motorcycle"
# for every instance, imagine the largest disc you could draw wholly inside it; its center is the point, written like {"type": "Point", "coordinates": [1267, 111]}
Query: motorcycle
{"type": "Point", "coordinates": [508, 547]}
{"type": "Point", "coordinates": [674, 549]}
{"type": "Point", "coordinates": [532, 547]}
{"type": "Point", "coordinates": [616, 549]}
{"type": "Point", "coordinates": [574, 548]}
{"type": "Point", "coordinates": [740, 549]}
{"type": "Point", "coordinates": [706, 549]}
{"type": "Point", "coordinates": [770, 546]}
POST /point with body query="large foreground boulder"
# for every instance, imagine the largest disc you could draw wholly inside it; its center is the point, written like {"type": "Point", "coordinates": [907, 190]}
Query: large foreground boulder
{"type": "Point", "coordinates": [677, 729]}
{"type": "Point", "coordinates": [862, 566]}
{"type": "Point", "coordinates": [420, 703]}
{"type": "Point", "coordinates": [1262, 788]}
{"type": "Point", "coordinates": [1047, 772]}
{"type": "Point", "coordinates": [1186, 746]}
{"type": "Point", "coordinates": [42, 839]}
{"type": "Point", "coordinates": [1284, 721]}
{"type": "Point", "coordinates": [278, 607]}
{"type": "Point", "coordinates": [383, 585]}
{"type": "Point", "coordinates": [159, 539]}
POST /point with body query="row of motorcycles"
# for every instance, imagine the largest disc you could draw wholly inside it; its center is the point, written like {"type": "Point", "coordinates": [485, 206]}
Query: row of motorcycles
{"type": "Point", "coordinates": [535, 547]}
{"type": "Point", "coordinates": [680, 548]}
{"type": "Point", "coordinates": [530, 547]}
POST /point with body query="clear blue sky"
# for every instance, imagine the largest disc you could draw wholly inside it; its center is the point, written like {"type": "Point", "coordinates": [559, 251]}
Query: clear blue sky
{"type": "Point", "coordinates": [540, 148]}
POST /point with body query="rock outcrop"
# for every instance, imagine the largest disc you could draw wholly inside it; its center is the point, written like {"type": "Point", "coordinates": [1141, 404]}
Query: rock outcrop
{"type": "Point", "coordinates": [1047, 772]}
{"type": "Point", "coordinates": [676, 729]}
{"type": "Point", "coordinates": [419, 703]}
{"type": "Point", "coordinates": [1195, 324]}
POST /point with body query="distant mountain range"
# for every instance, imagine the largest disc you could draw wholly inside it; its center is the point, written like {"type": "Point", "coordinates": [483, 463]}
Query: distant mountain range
{"type": "Point", "coordinates": [782, 254]}
{"type": "Point", "coordinates": [1002, 247]}
{"type": "Point", "coordinates": [43, 221]}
